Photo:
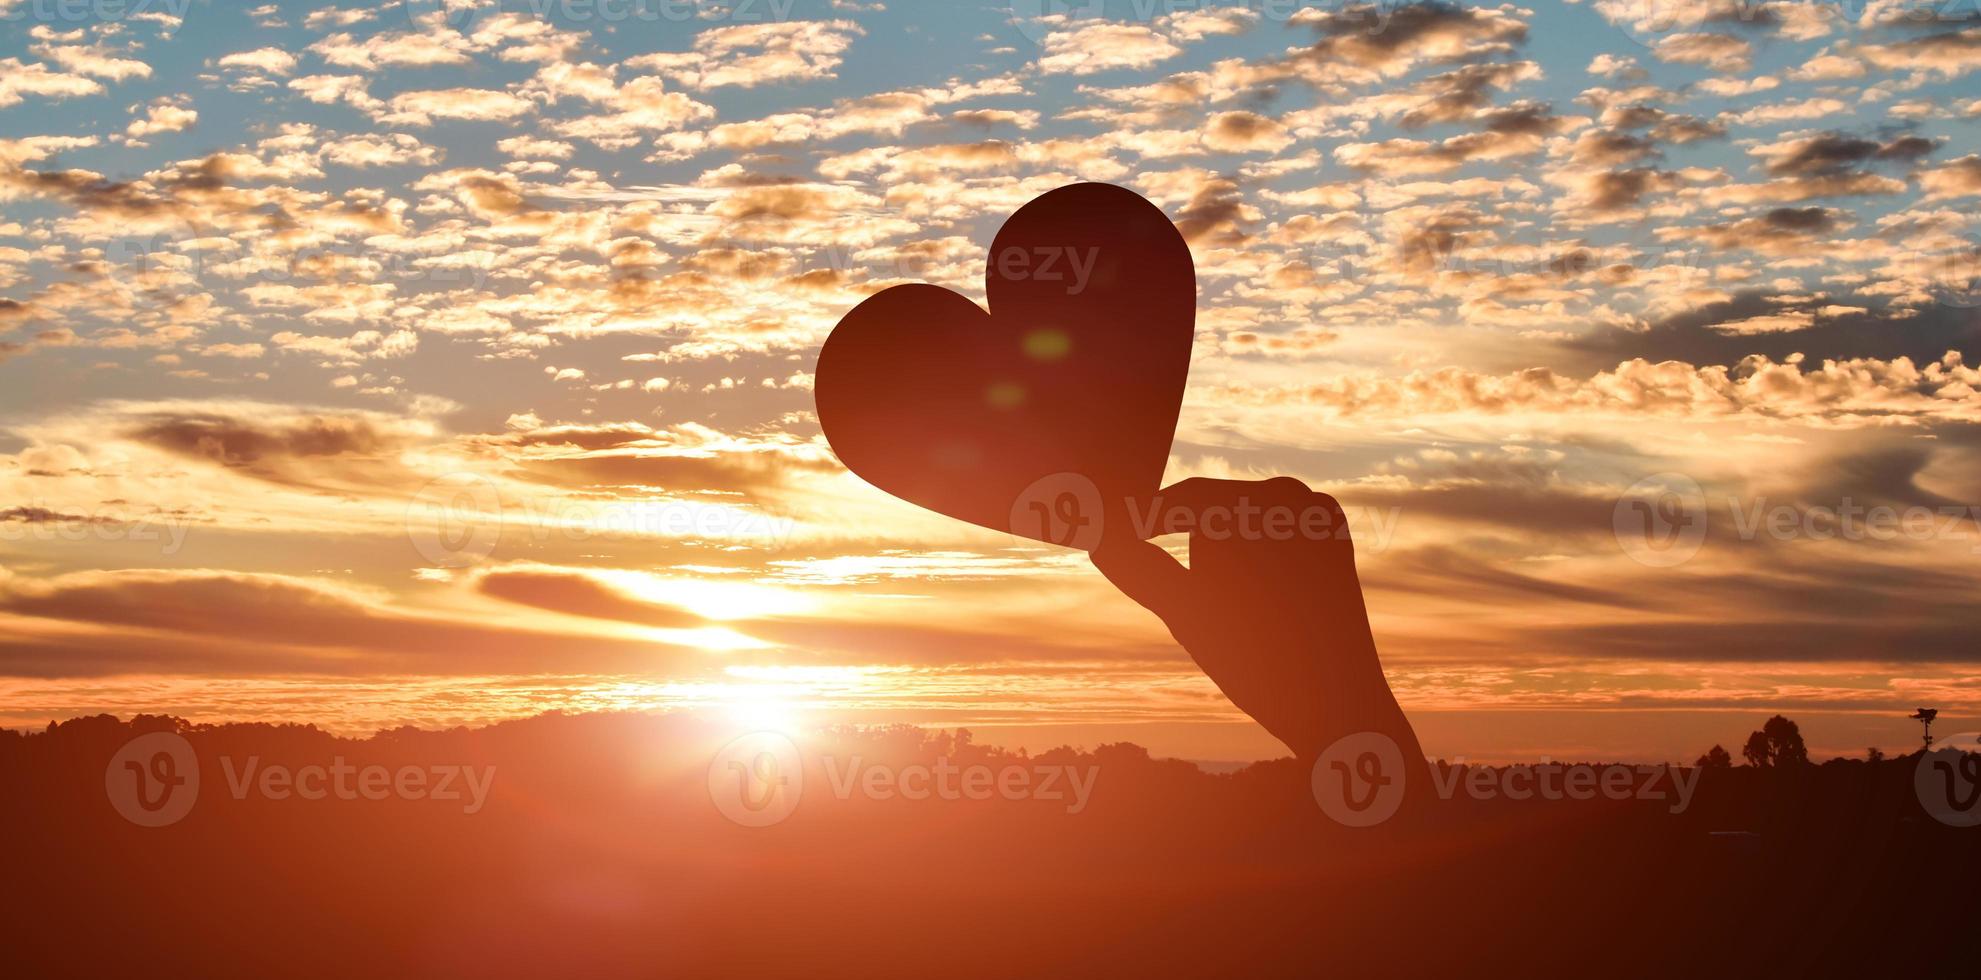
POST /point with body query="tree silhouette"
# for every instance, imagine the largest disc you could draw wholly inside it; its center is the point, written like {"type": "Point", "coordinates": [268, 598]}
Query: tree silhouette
{"type": "Point", "coordinates": [1786, 741]}
{"type": "Point", "coordinates": [1715, 758]}
{"type": "Point", "coordinates": [1925, 716]}
{"type": "Point", "coordinates": [1777, 744]}
{"type": "Point", "coordinates": [1756, 750]}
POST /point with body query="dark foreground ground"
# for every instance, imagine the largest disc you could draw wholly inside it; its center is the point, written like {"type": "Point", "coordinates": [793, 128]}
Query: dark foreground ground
{"type": "Point", "coordinates": [598, 851]}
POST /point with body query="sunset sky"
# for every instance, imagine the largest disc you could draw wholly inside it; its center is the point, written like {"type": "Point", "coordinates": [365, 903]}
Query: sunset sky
{"type": "Point", "coordinates": [436, 363]}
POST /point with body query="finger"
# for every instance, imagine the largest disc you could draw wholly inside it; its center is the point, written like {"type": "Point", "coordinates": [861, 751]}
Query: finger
{"type": "Point", "coordinates": [1174, 509]}
{"type": "Point", "coordinates": [1179, 502]}
{"type": "Point", "coordinates": [1147, 574]}
{"type": "Point", "coordinates": [1200, 492]}
{"type": "Point", "coordinates": [1238, 513]}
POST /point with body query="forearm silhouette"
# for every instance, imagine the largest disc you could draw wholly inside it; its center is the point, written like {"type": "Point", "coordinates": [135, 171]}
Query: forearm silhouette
{"type": "Point", "coordinates": [1067, 390]}
{"type": "Point", "coordinates": [1272, 613]}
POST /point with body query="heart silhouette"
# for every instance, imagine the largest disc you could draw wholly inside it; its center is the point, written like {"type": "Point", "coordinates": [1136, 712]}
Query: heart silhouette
{"type": "Point", "coordinates": [1050, 415]}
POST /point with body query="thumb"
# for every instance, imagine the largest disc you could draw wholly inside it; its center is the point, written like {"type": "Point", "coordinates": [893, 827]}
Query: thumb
{"type": "Point", "coordinates": [1147, 574]}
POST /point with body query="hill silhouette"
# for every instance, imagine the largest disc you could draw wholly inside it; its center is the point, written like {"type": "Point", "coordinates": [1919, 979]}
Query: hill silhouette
{"type": "Point", "coordinates": [597, 849]}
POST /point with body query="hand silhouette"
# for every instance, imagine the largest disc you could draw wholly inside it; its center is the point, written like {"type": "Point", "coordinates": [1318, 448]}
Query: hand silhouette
{"type": "Point", "coordinates": [1269, 606]}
